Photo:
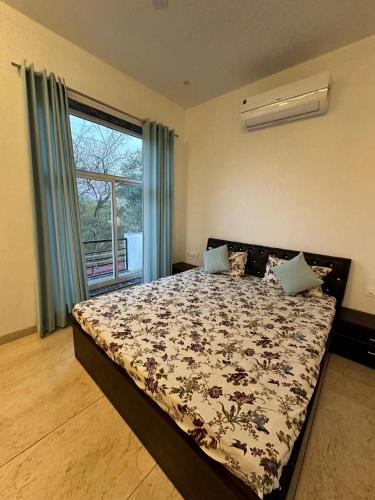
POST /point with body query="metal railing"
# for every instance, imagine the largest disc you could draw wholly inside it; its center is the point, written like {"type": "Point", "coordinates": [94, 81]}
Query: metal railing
{"type": "Point", "coordinates": [99, 257]}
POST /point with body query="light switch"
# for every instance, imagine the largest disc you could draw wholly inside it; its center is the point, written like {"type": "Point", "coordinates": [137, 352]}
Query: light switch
{"type": "Point", "coordinates": [193, 254]}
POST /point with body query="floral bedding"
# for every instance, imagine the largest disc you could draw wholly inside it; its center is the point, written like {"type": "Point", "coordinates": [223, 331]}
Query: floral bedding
{"type": "Point", "coordinates": [233, 361]}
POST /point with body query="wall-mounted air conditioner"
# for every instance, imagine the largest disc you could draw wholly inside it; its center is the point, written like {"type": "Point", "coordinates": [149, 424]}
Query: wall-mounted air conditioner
{"type": "Point", "coordinates": [302, 99]}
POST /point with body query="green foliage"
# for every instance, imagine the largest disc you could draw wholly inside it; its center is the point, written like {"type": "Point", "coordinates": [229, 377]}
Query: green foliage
{"type": "Point", "coordinates": [129, 208]}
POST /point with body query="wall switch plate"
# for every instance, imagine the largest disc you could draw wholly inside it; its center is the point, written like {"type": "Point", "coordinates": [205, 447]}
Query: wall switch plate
{"type": "Point", "coordinates": [193, 254]}
{"type": "Point", "coordinates": [371, 291]}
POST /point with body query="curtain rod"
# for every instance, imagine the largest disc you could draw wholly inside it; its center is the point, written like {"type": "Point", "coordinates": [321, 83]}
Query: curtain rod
{"type": "Point", "coordinates": [137, 118]}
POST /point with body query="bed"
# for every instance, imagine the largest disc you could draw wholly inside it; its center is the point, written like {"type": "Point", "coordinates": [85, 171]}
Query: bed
{"type": "Point", "coordinates": [217, 375]}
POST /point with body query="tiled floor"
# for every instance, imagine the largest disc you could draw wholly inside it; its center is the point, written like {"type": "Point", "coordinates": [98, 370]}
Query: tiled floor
{"type": "Point", "coordinates": [61, 439]}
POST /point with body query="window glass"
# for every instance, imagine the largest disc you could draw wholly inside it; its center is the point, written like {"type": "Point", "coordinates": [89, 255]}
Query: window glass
{"type": "Point", "coordinates": [129, 225]}
{"type": "Point", "coordinates": [104, 150]}
{"type": "Point", "coordinates": [95, 205]}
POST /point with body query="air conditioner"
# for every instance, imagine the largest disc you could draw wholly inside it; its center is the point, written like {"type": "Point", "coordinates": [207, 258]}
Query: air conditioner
{"type": "Point", "coordinates": [302, 99]}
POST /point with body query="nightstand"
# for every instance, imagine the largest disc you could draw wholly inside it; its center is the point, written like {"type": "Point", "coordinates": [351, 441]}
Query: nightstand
{"type": "Point", "coordinates": [180, 267]}
{"type": "Point", "coordinates": [354, 336]}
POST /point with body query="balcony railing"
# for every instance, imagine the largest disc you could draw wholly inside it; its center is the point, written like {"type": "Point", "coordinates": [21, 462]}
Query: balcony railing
{"type": "Point", "coordinates": [100, 260]}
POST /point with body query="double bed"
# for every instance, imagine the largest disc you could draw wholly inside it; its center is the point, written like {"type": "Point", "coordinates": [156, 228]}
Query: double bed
{"type": "Point", "coordinates": [217, 375]}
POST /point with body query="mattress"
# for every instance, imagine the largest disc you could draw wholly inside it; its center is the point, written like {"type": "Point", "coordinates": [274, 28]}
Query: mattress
{"type": "Point", "coordinates": [232, 360]}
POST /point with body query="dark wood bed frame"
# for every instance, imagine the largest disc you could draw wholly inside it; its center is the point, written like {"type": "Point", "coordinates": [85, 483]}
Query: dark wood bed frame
{"type": "Point", "coordinates": [194, 473]}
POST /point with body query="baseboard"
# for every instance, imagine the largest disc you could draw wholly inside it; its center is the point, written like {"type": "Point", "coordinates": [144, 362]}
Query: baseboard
{"type": "Point", "coordinates": [9, 337]}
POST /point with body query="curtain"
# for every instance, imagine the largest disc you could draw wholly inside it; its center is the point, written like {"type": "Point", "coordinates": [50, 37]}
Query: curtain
{"type": "Point", "coordinates": [61, 280]}
{"type": "Point", "coordinates": [158, 145]}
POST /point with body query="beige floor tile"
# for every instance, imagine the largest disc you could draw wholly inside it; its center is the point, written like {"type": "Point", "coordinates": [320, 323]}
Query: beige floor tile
{"type": "Point", "coordinates": [92, 456]}
{"type": "Point", "coordinates": [340, 457]}
{"type": "Point", "coordinates": [343, 369]}
{"type": "Point", "coordinates": [25, 357]}
{"type": "Point", "coordinates": [49, 387]}
{"type": "Point", "coordinates": [156, 486]}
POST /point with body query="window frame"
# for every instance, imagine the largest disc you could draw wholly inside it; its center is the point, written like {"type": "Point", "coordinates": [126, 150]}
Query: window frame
{"type": "Point", "coordinates": [95, 115]}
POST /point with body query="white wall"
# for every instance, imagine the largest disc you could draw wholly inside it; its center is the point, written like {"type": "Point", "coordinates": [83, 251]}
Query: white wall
{"type": "Point", "coordinates": [21, 38]}
{"type": "Point", "coordinates": [306, 185]}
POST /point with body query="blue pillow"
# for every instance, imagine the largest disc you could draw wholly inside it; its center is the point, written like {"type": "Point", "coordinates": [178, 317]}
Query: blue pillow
{"type": "Point", "coordinates": [296, 275]}
{"type": "Point", "coordinates": [216, 260]}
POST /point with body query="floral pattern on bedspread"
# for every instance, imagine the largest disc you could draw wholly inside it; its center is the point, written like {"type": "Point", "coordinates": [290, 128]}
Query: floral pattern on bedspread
{"type": "Point", "coordinates": [233, 361]}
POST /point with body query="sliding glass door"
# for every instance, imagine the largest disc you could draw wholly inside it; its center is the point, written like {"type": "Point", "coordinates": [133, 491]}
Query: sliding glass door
{"type": "Point", "coordinates": [109, 171]}
{"type": "Point", "coordinates": [129, 226]}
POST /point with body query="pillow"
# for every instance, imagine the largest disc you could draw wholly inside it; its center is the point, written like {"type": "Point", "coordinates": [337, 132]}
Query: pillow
{"type": "Point", "coordinates": [317, 291]}
{"type": "Point", "coordinates": [237, 262]}
{"type": "Point", "coordinates": [296, 275]}
{"type": "Point", "coordinates": [271, 280]}
{"type": "Point", "coordinates": [269, 277]}
{"type": "Point", "coordinates": [216, 260]}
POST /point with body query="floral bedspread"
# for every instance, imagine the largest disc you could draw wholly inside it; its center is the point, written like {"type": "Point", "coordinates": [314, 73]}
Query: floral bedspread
{"type": "Point", "coordinates": [233, 361]}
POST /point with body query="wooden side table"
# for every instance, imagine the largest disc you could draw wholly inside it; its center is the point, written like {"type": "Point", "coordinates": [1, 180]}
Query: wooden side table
{"type": "Point", "coordinates": [354, 336]}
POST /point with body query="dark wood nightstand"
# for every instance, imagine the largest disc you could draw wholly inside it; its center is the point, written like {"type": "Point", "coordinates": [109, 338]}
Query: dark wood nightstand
{"type": "Point", "coordinates": [354, 336]}
{"type": "Point", "coordinates": [180, 267]}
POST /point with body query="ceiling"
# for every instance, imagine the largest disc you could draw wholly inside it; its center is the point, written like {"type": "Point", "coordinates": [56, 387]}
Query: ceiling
{"type": "Point", "coordinates": [216, 45]}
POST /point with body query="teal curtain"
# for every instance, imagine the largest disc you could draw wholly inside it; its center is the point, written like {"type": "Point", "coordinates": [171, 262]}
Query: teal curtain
{"type": "Point", "coordinates": [158, 146]}
{"type": "Point", "coordinates": [61, 280]}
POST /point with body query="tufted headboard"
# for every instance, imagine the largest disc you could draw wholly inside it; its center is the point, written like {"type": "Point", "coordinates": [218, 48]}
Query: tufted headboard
{"type": "Point", "coordinates": [334, 284]}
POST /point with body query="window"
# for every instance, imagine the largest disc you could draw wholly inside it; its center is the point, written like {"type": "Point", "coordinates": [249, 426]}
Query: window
{"type": "Point", "coordinates": [109, 170]}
